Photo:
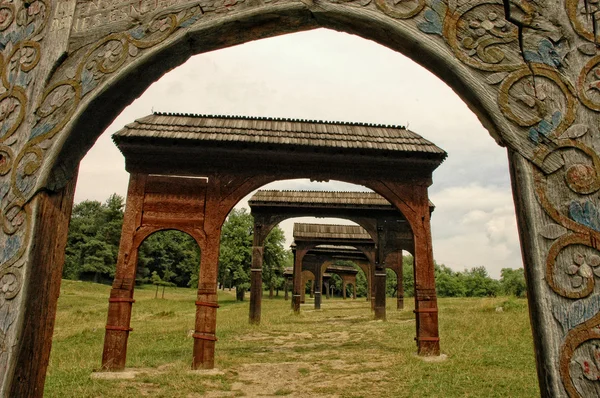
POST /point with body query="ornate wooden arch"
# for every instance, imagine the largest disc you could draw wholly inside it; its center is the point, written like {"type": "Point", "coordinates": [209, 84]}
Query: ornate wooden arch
{"type": "Point", "coordinates": [60, 92]}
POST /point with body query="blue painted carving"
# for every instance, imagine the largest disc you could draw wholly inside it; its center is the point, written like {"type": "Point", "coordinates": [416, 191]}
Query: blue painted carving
{"type": "Point", "coordinates": [577, 313]}
{"type": "Point", "coordinates": [585, 213]}
{"type": "Point", "coordinates": [433, 17]}
{"type": "Point", "coordinates": [545, 127]}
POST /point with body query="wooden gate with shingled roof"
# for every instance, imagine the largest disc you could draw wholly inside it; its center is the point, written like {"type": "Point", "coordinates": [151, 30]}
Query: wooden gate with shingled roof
{"type": "Point", "coordinates": [166, 154]}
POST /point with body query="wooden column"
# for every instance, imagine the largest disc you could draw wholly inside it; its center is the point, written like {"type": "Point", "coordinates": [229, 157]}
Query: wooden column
{"type": "Point", "coordinates": [344, 288]}
{"type": "Point", "coordinates": [52, 212]}
{"type": "Point", "coordinates": [298, 287]}
{"type": "Point", "coordinates": [426, 310]}
{"type": "Point", "coordinates": [285, 286]}
{"type": "Point", "coordinates": [373, 286]}
{"type": "Point", "coordinates": [327, 295]}
{"type": "Point", "coordinates": [120, 302]}
{"type": "Point", "coordinates": [400, 289]}
{"type": "Point", "coordinates": [207, 303]}
{"type": "Point", "coordinates": [319, 285]}
{"type": "Point", "coordinates": [312, 288]}
{"type": "Point", "coordinates": [380, 276]}
{"type": "Point", "coordinates": [256, 290]}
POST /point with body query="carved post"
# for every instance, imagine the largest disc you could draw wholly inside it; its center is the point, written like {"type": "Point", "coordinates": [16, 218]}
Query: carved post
{"type": "Point", "coordinates": [285, 287]}
{"type": "Point", "coordinates": [380, 276]}
{"type": "Point", "coordinates": [319, 285]}
{"type": "Point", "coordinates": [344, 288]}
{"type": "Point", "coordinates": [327, 295]}
{"type": "Point", "coordinates": [298, 287]}
{"type": "Point", "coordinates": [426, 310]}
{"type": "Point", "coordinates": [207, 303]}
{"type": "Point", "coordinates": [51, 219]}
{"type": "Point", "coordinates": [121, 295]}
{"type": "Point", "coordinates": [256, 289]}
{"type": "Point", "coordinates": [312, 288]}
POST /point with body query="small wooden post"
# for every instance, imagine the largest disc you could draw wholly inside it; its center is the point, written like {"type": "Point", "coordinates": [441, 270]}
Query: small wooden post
{"type": "Point", "coordinates": [380, 276]}
{"type": "Point", "coordinates": [312, 288]}
{"type": "Point", "coordinates": [298, 287]}
{"type": "Point", "coordinates": [256, 290]}
{"type": "Point", "coordinates": [319, 286]}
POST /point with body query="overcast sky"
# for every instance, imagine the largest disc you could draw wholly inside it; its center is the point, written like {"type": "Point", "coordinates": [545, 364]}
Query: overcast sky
{"type": "Point", "coordinates": [326, 75]}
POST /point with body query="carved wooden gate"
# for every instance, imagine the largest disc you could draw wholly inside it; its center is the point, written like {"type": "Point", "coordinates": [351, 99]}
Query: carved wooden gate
{"type": "Point", "coordinates": [529, 70]}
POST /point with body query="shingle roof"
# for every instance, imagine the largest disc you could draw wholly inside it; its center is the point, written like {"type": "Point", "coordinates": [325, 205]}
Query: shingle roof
{"type": "Point", "coordinates": [330, 231]}
{"type": "Point", "coordinates": [363, 199]}
{"type": "Point", "coordinates": [324, 197]}
{"type": "Point", "coordinates": [295, 132]}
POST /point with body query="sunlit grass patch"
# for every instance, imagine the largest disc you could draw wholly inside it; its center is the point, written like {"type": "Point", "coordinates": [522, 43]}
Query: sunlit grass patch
{"type": "Point", "coordinates": [338, 351]}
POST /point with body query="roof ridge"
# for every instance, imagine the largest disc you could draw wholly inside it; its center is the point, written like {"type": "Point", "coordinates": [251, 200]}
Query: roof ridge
{"type": "Point", "coordinates": [281, 119]}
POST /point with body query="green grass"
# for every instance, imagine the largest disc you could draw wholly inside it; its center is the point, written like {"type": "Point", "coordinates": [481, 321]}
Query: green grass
{"type": "Point", "coordinates": [338, 351]}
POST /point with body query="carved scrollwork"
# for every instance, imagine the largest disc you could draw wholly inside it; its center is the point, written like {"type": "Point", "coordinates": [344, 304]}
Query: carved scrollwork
{"type": "Point", "coordinates": [400, 9]}
{"type": "Point", "coordinates": [580, 354]}
{"type": "Point", "coordinates": [24, 174]}
{"type": "Point", "coordinates": [6, 157]}
{"type": "Point", "coordinates": [10, 283]}
{"type": "Point", "coordinates": [23, 59]}
{"type": "Point", "coordinates": [58, 104]}
{"type": "Point", "coordinates": [588, 84]}
{"type": "Point", "coordinates": [12, 111]}
{"type": "Point", "coordinates": [537, 97]}
{"type": "Point", "coordinates": [481, 38]}
{"type": "Point", "coordinates": [584, 15]}
{"type": "Point", "coordinates": [7, 15]}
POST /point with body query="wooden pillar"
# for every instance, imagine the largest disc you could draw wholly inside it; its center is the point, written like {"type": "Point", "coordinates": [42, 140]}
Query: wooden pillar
{"type": "Point", "coordinates": [354, 289]}
{"type": "Point", "coordinates": [380, 275]}
{"type": "Point", "coordinates": [319, 286]}
{"type": "Point", "coordinates": [51, 213]}
{"type": "Point", "coordinates": [426, 311]}
{"type": "Point", "coordinates": [373, 286]}
{"type": "Point", "coordinates": [400, 284]}
{"type": "Point", "coordinates": [121, 295]}
{"type": "Point", "coordinates": [298, 287]}
{"type": "Point", "coordinates": [285, 287]}
{"type": "Point", "coordinates": [327, 295]}
{"type": "Point", "coordinates": [312, 288]}
{"type": "Point", "coordinates": [207, 303]}
{"type": "Point", "coordinates": [256, 289]}
{"type": "Point", "coordinates": [344, 288]}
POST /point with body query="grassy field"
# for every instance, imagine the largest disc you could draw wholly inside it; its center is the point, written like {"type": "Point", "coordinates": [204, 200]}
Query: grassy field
{"type": "Point", "coordinates": [336, 352]}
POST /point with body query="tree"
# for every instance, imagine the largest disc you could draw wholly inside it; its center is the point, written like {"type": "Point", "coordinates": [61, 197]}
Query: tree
{"type": "Point", "coordinates": [478, 284]}
{"type": "Point", "coordinates": [513, 282]}
{"type": "Point", "coordinates": [235, 257]}
{"type": "Point", "coordinates": [157, 281]}
{"type": "Point", "coordinates": [448, 283]}
{"type": "Point", "coordinates": [173, 254]}
{"type": "Point", "coordinates": [93, 240]}
{"type": "Point", "coordinates": [274, 260]}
